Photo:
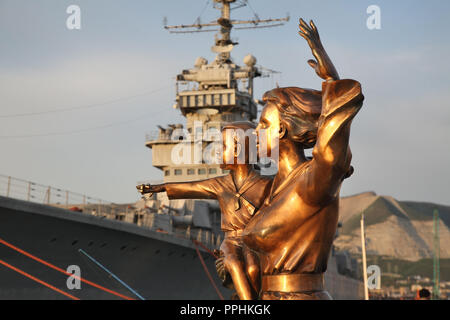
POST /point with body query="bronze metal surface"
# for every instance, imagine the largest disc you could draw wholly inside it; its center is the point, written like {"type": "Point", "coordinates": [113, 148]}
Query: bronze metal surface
{"type": "Point", "coordinates": [294, 229]}
{"type": "Point", "coordinates": [293, 282]}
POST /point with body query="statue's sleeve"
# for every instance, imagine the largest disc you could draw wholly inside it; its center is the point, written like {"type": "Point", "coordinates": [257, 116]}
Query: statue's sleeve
{"type": "Point", "coordinates": [203, 189]}
{"type": "Point", "coordinates": [341, 101]}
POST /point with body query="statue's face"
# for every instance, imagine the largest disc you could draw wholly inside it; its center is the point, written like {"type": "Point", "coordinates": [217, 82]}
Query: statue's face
{"type": "Point", "coordinates": [228, 150]}
{"type": "Point", "coordinates": [269, 126]}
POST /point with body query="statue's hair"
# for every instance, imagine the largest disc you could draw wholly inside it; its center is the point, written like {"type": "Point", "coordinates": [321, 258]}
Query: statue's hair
{"type": "Point", "coordinates": [299, 112]}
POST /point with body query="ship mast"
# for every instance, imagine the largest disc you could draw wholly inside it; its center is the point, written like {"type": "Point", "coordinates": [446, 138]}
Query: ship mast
{"type": "Point", "coordinates": [225, 31]}
{"type": "Point", "coordinates": [223, 43]}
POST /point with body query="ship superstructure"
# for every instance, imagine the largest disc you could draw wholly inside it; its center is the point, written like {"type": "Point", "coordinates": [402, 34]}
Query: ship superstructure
{"type": "Point", "coordinates": [208, 95]}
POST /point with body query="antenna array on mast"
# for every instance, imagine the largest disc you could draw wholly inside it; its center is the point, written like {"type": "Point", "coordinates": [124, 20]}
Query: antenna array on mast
{"type": "Point", "coordinates": [224, 24]}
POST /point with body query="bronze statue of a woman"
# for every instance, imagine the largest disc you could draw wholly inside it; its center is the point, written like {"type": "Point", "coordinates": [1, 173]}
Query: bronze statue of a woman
{"type": "Point", "coordinates": [294, 229]}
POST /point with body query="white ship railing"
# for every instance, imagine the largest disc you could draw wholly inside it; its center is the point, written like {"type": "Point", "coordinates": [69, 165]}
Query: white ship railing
{"type": "Point", "coordinates": [34, 192]}
{"type": "Point", "coordinates": [20, 189]}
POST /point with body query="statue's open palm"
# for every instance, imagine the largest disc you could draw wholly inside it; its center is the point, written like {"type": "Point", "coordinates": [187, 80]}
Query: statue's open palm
{"type": "Point", "coordinates": [322, 65]}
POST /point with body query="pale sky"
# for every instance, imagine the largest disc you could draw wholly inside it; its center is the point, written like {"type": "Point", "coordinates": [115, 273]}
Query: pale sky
{"type": "Point", "coordinates": [122, 62]}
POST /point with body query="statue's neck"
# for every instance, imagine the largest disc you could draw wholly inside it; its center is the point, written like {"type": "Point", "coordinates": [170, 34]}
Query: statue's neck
{"type": "Point", "coordinates": [291, 155]}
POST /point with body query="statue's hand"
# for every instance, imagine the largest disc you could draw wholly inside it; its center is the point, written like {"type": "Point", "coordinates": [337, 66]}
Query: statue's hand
{"type": "Point", "coordinates": [310, 33]}
{"type": "Point", "coordinates": [322, 65]}
{"type": "Point", "coordinates": [148, 188]}
{"type": "Point", "coordinates": [220, 268]}
{"type": "Point", "coordinates": [222, 272]}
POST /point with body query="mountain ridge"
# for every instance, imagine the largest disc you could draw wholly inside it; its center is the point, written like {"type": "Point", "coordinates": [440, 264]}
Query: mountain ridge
{"type": "Point", "coordinates": [399, 229]}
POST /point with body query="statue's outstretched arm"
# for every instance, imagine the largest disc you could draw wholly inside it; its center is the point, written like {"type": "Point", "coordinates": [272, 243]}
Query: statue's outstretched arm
{"type": "Point", "coordinates": [203, 189]}
{"type": "Point", "coordinates": [322, 65]}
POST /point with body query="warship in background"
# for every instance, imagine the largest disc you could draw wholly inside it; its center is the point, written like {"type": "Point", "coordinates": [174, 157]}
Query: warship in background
{"type": "Point", "coordinates": [157, 248]}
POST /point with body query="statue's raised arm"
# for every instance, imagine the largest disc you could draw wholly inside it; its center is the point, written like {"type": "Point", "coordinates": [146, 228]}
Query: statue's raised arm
{"type": "Point", "coordinates": [341, 101]}
{"type": "Point", "coordinates": [322, 65]}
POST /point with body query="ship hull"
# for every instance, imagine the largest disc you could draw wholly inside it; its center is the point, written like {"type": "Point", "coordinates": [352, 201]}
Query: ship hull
{"type": "Point", "coordinates": [149, 262]}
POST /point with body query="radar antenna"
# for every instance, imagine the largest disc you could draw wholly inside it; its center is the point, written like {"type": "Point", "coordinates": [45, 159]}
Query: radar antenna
{"type": "Point", "coordinates": [224, 44]}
